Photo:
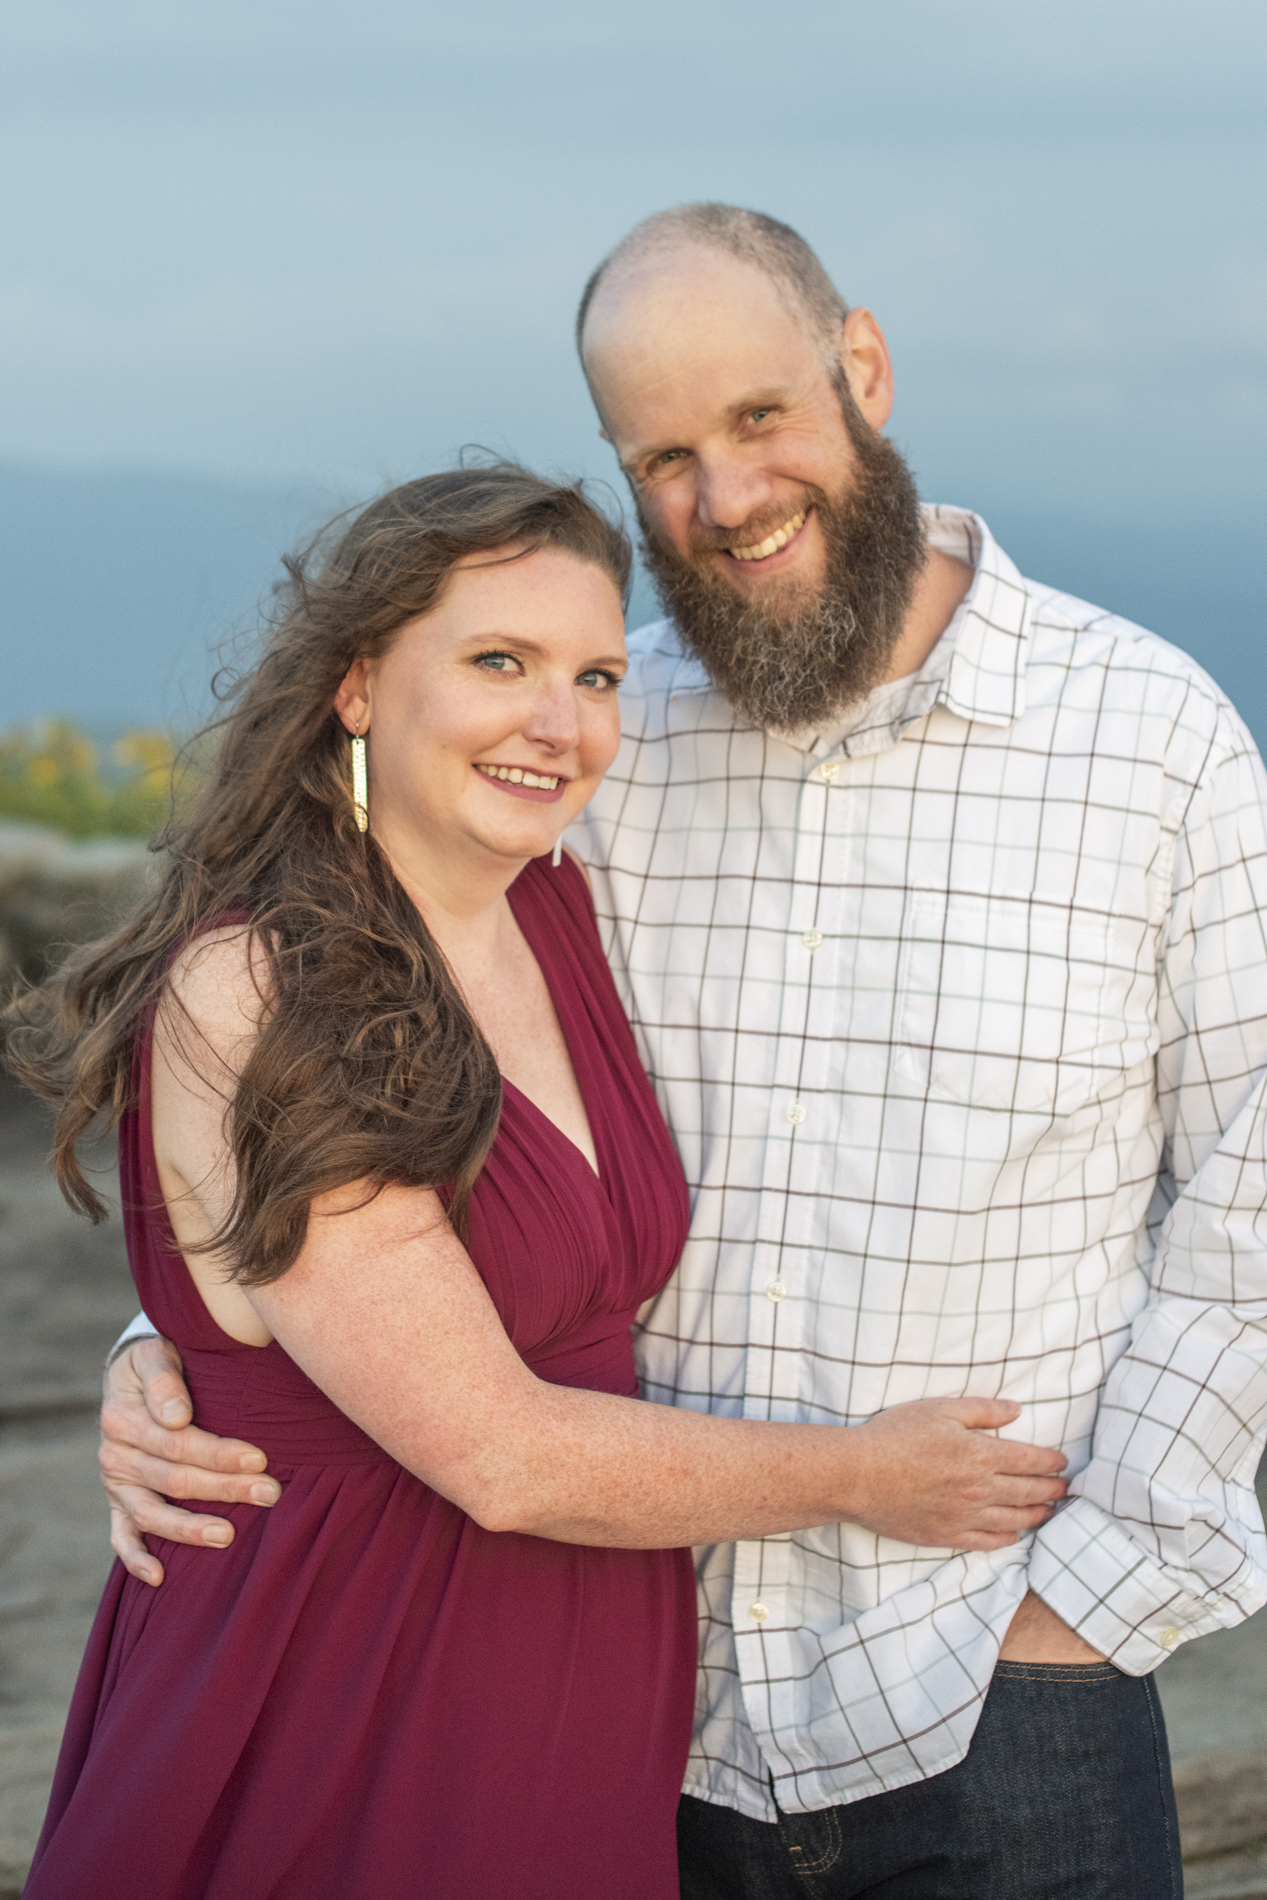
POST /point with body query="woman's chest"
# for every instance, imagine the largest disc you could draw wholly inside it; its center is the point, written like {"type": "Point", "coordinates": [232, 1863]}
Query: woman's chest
{"type": "Point", "coordinates": [516, 1013]}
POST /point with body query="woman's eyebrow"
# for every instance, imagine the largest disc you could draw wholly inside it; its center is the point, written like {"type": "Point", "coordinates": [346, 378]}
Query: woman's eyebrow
{"type": "Point", "coordinates": [524, 643]}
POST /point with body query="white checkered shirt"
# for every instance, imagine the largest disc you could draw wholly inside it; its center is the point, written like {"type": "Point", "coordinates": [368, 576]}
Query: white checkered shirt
{"type": "Point", "coordinates": [959, 1025]}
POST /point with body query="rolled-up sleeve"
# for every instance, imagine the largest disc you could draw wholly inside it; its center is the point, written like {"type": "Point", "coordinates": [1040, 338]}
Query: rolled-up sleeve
{"type": "Point", "coordinates": [1163, 1539]}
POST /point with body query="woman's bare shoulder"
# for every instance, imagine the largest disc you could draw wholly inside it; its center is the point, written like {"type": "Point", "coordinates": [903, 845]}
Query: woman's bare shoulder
{"type": "Point", "coordinates": [219, 983]}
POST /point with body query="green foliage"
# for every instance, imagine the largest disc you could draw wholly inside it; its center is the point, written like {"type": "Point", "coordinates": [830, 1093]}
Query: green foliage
{"type": "Point", "coordinates": [51, 774]}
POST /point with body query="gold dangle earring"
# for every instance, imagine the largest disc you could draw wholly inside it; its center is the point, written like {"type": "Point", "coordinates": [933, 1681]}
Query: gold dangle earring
{"type": "Point", "coordinates": [360, 781]}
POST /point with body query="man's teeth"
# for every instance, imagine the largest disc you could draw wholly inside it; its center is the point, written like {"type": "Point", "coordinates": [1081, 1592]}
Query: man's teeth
{"type": "Point", "coordinates": [533, 780]}
{"type": "Point", "coordinates": [772, 543]}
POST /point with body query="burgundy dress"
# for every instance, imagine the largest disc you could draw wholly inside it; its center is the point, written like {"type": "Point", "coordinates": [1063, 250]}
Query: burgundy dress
{"type": "Point", "coordinates": [367, 1696]}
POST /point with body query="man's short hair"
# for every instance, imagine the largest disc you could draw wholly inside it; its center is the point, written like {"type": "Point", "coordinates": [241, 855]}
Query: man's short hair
{"type": "Point", "coordinates": [775, 249]}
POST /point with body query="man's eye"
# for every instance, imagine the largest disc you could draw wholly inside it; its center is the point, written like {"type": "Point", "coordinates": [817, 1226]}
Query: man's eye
{"type": "Point", "coordinates": [759, 415]}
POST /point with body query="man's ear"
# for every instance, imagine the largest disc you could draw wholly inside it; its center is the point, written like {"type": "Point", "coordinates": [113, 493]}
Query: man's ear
{"type": "Point", "coordinates": [864, 355]}
{"type": "Point", "coordinates": [602, 433]}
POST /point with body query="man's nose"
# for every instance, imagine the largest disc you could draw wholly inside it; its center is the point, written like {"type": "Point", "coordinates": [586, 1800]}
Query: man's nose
{"type": "Point", "coordinates": [553, 722]}
{"type": "Point", "coordinates": [728, 491]}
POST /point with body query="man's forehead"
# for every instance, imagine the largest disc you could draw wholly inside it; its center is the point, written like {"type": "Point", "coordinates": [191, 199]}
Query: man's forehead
{"type": "Point", "coordinates": [645, 299]}
{"type": "Point", "coordinates": [708, 340]}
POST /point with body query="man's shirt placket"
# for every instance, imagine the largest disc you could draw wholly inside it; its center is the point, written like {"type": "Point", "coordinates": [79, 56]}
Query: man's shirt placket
{"type": "Point", "coordinates": [802, 1131]}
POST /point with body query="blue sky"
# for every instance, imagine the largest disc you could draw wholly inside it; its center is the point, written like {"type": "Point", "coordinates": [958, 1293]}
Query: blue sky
{"type": "Point", "coordinates": [310, 249]}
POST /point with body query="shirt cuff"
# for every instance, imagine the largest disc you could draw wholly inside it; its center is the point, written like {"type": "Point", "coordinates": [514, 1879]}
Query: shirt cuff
{"type": "Point", "coordinates": [1118, 1598]}
{"type": "Point", "coordinates": [139, 1328]}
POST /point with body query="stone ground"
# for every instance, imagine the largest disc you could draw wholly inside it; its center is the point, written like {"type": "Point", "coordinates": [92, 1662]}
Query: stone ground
{"type": "Point", "coordinates": [65, 1295]}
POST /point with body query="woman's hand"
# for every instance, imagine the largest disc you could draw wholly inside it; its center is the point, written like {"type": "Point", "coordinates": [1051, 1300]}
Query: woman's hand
{"type": "Point", "coordinates": [150, 1452]}
{"type": "Point", "coordinates": [929, 1473]}
{"type": "Point", "coordinates": [932, 1473]}
{"type": "Point", "coordinates": [386, 1313]}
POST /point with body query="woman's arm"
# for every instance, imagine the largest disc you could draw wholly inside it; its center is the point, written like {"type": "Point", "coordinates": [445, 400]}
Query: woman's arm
{"type": "Point", "coordinates": [386, 1313]}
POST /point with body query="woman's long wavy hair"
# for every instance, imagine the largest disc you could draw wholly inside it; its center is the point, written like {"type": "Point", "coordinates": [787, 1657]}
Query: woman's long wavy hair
{"type": "Point", "coordinates": [368, 1066]}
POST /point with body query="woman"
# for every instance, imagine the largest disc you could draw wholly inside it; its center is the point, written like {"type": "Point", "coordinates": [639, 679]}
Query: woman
{"type": "Point", "coordinates": [396, 1184]}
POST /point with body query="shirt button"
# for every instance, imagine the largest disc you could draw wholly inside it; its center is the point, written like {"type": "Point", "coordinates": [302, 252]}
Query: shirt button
{"type": "Point", "coordinates": [812, 939]}
{"type": "Point", "coordinates": [1169, 1638]}
{"type": "Point", "coordinates": [758, 1612]}
{"type": "Point", "coordinates": [776, 1291]}
{"type": "Point", "coordinates": [796, 1113]}
{"type": "Point", "coordinates": [828, 770]}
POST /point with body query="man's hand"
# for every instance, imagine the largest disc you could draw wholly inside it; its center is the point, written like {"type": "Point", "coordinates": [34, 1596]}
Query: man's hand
{"type": "Point", "coordinates": [1036, 1634]}
{"type": "Point", "coordinates": [150, 1450]}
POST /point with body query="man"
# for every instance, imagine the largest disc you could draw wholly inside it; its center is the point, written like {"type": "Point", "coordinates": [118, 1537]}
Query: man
{"type": "Point", "coordinates": [937, 900]}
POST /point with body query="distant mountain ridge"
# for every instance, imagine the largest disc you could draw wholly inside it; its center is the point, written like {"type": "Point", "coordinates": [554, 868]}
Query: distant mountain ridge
{"type": "Point", "coordinates": [116, 587]}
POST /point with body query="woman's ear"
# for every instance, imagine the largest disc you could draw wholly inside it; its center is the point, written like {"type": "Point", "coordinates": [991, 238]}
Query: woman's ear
{"type": "Point", "coordinates": [352, 701]}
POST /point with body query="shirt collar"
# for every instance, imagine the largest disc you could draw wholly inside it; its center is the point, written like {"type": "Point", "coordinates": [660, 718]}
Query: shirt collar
{"type": "Point", "coordinates": [991, 626]}
{"type": "Point", "coordinates": [987, 638]}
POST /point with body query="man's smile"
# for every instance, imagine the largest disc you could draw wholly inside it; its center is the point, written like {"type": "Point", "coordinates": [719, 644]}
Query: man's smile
{"type": "Point", "coordinates": [774, 543]}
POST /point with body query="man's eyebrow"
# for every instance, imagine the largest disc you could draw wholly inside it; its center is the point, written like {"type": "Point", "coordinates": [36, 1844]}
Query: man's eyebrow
{"type": "Point", "coordinates": [766, 398]}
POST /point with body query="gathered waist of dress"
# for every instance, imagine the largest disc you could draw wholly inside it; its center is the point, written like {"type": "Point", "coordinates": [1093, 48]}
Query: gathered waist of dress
{"type": "Point", "coordinates": [258, 1393]}
{"type": "Point", "coordinates": [596, 1357]}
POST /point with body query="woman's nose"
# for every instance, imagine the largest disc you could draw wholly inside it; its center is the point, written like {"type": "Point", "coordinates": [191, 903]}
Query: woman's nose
{"type": "Point", "coordinates": [553, 722]}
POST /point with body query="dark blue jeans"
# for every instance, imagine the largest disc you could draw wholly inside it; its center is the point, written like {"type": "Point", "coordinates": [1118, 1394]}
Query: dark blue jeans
{"type": "Point", "coordinates": [1065, 1794]}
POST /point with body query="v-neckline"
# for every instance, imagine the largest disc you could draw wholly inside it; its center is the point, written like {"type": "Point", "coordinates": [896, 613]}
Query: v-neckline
{"type": "Point", "coordinates": [594, 1173]}
{"type": "Point", "coordinates": [594, 1168]}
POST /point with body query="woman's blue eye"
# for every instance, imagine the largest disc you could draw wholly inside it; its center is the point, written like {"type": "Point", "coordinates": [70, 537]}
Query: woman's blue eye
{"type": "Point", "coordinates": [596, 677]}
{"type": "Point", "coordinates": [496, 662]}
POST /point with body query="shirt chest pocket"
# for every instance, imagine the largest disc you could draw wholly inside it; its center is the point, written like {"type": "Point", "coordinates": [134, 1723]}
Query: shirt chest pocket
{"type": "Point", "coordinates": [1006, 1003]}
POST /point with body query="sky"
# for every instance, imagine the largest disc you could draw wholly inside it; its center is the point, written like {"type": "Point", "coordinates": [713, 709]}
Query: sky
{"type": "Point", "coordinates": [258, 260]}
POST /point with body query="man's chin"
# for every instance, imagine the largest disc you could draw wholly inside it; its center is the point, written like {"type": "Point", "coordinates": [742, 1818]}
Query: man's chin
{"type": "Point", "coordinates": [789, 589]}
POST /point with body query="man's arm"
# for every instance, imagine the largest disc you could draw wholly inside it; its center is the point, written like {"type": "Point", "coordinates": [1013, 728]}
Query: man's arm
{"type": "Point", "coordinates": [150, 1451]}
{"type": "Point", "coordinates": [138, 1328]}
{"type": "Point", "coordinates": [1163, 1539]}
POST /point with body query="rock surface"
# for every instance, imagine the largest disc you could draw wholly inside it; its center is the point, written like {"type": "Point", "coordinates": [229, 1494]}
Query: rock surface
{"type": "Point", "coordinates": [56, 890]}
{"type": "Point", "coordinates": [65, 1294]}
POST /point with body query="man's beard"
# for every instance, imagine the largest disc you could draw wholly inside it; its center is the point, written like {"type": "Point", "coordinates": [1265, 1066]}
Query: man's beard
{"type": "Point", "coordinates": [795, 660]}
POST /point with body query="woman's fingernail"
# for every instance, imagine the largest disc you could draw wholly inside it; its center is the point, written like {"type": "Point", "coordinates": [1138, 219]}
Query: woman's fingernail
{"type": "Point", "coordinates": [218, 1534]}
{"type": "Point", "coordinates": [173, 1413]}
{"type": "Point", "coordinates": [263, 1494]}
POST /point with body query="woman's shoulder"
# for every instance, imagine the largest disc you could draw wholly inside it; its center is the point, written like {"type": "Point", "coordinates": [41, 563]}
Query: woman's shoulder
{"type": "Point", "coordinates": [219, 980]}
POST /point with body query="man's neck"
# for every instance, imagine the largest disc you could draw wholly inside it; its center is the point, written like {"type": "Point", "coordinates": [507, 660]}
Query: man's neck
{"type": "Point", "coordinates": [941, 585]}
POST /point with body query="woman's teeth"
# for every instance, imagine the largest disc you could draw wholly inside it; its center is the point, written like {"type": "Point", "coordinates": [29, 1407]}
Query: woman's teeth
{"type": "Point", "coordinates": [533, 780]}
{"type": "Point", "coordinates": [772, 543]}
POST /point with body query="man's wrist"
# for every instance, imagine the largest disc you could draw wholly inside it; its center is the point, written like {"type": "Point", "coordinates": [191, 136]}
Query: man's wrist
{"type": "Point", "coordinates": [1116, 1594]}
{"type": "Point", "coordinates": [1039, 1634]}
{"type": "Point", "coordinates": [139, 1328]}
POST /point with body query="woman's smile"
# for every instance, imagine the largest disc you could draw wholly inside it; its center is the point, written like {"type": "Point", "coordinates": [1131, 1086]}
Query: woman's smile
{"type": "Point", "coordinates": [543, 788]}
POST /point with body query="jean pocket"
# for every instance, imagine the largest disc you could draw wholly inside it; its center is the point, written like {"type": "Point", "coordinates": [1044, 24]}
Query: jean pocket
{"type": "Point", "coordinates": [813, 1841]}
